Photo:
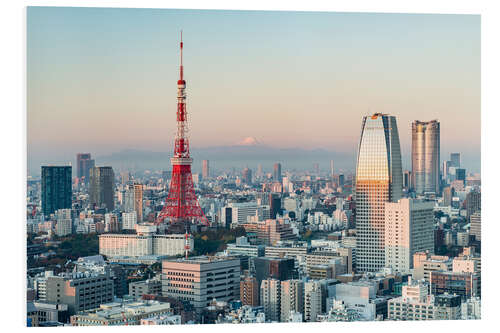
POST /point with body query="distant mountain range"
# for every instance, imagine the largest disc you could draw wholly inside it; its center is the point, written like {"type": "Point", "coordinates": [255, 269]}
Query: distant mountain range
{"type": "Point", "coordinates": [237, 156]}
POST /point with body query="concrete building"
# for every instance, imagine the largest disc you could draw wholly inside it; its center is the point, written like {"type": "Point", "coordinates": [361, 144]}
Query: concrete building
{"type": "Point", "coordinates": [129, 313]}
{"type": "Point", "coordinates": [199, 280]}
{"type": "Point", "coordinates": [313, 296]}
{"type": "Point", "coordinates": [379, 179]}
{"type": "Point", "coordinates": [288, 250]}
{"type": "Point", "coordinates": [162, 320]}
{"type": "Point", "coordinates": [426, 156]}
{"type": "Point", "coordinates": [148, 287]}
{"type": "Point", "coordinates": [455, 283]}
{"type": "Point", "coordinates": [472, 203]}
{"type": "Point", "coordinates": [129, 220]}
{"type": "Point", "coordinates": [205, 170]}
{"type": "Point", "coordinates": [409, 228]}
{"type": "Point", "coordinates": [270, 299]}
{"type": "Point", "coordinates": [276, 268]}
{"type": "Point", "coordinates": [80, 291]}
{"type": "Point", "coordinates": [145, 243]}
{"type": "Point", "coordinates": [249, 291]}
{"type": "Point", "coordinates": [292, 298]}
{"type": "Point", "coordinates": [64, 225]}
{"type": "Point", "coordinates": [358, 295]}
{"type": "Point", "coordinates": [448, 307]}
{"type": "Point", "coordinates": [425, 263]}
{"type": "Point", "coordinates": [475, 225]}
{"type": "Point", "coordinates": [414, 304]}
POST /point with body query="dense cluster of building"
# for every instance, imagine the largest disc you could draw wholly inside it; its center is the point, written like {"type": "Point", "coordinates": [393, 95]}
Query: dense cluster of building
{"type": "Point", "coordinates": [379, 244]}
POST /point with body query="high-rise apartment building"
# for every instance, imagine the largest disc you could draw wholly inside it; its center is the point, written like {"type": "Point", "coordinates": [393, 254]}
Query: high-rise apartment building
{"type": "Point", "coordinates": [332, 170]}
{"type": "Point", "coordinates": [138, 190]}
{"type": "Point", "coordinates": [409, 226]}
{"type": "Point", "coordinates": [277, 172]}
{"type": "Point", "coordinates": [312, 300]}
{"type": "Point", "coordinates": [473, 203]}
{"type": "Point", "coordinates": [249, 291]}
{"type": "Point", "coordinates": [129, 220]}
{"type": "Point", "coordinates": [379, 179]}
{"type": "Point", "coordinates": [56, 188]}
{"type": "Point", "coordinates": [270, 299]}
{"type": "Point", "coordinates": [292, 298]}
{"type": "Point", "coordinates": [205, 171]}
{"type": "Point", "coordinates": [475, 225]}
{"type": "Point", "coordinates": [102, 185]}
{"type": "Point", "coordinates": [64, 223]}
{"type": "Point", "coordinates": [84, 163]}
{"type": "Point", "coordinates": [425, 156]}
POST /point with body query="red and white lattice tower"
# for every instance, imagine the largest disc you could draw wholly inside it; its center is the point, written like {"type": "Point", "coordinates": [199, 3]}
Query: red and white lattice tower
{"type": "Point", "coordinates": [181, 206]}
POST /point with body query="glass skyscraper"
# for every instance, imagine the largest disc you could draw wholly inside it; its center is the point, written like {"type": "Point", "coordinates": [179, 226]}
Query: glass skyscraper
{"type": "Point", "coordinates": [379, 179]}
{"type": "Point", "coordinates": [425, 156]}
{"type": "Point", "coordinates": [56, 188]}
{"type": "Point", "coordinates": [102, 185]}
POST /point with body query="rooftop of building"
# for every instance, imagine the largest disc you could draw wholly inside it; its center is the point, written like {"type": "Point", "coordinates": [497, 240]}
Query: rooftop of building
{"type": "Point", "coordinates": [203, 259]}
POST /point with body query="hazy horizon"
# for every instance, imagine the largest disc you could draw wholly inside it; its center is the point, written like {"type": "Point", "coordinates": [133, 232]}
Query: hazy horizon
{"type": "Point", "coordinates": [102, 80]}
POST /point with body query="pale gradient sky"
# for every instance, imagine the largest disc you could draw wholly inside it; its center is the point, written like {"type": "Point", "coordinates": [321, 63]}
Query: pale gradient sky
{"type": "Point", "coordinates": [103, 80]}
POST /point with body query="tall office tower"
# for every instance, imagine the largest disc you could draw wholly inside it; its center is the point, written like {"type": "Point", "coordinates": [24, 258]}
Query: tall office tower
{"type": "Point", "coordinates": [332, 170]}
{"type": "Point", "coordinates": [312, 300]}
{"type": "Point", "coordinates": [407, 180]}
{"type": "Point", "coordinates": [205, 171]}
{"type": "Point", "coordinates": [181, 206]}
{"type": "Point", "coordinates": [249, 291]}
{"type": "Point", "coordinates": [425, 156]}
{"type": "Point", "coordinates": [446, 170]}
{"type": "Point", "coordinates": [292, 298]}
{"type": "Point", "coordinates": [246, 175]}
{"type": "Point", "coordinates": [83, 165]}
{"type": "Point", "coordinates": [270, 299]}
{"type": "Point", "coordinates": [138, 190]}
{"type": "Point", "coordinates": [56, 188]}
{"type": "Point", "coordinates": [473, 203]}
{"type": "Point", "coordinates": [341, 180]}
{"type": "Point", "coordinates": [125, 176]}
{"type": "Point", "coordinates": [409, 228]}
{"type": "Point", "coordinates": [260, 172]}
{"type": "Point", "coordinates": [277, 172]}
{"type": "Point", "coordinates": [64, 222]}
{"type": "Point", "coordinates": [379, 179]}
{"type": "Point", "coordinates": [102, 186]}
{"type": "Point", "coordinates": [275, 204]}
{"type": "Point", "coordinates": [475, 225]}
{"type": "Point", "coordinates": [460, 174]}
{"type": "Point", "coordinates": [316, 168]}
{"type": "Point", "coordinates": [455, 160]}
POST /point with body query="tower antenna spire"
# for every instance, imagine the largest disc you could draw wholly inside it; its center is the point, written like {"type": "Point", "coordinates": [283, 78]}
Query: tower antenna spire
{"type": "Point", "coordinates": [181, 206]}
{"type": "Point", "coordinates": [182, 67]}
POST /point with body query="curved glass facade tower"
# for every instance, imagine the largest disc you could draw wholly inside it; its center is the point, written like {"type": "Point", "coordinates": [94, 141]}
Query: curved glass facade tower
{"type": "Point", "coordinates": [379, 179]}
{"type": "Point", "coordinates": [425, 156]}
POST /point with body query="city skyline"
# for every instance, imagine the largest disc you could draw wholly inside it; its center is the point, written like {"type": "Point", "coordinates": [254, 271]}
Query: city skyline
{"type": "Point", "coordinates": [124, 74]}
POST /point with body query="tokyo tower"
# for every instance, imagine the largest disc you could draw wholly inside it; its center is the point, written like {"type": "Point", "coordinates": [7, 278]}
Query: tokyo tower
{"type": "Point", "coordinates": [181, 206]}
